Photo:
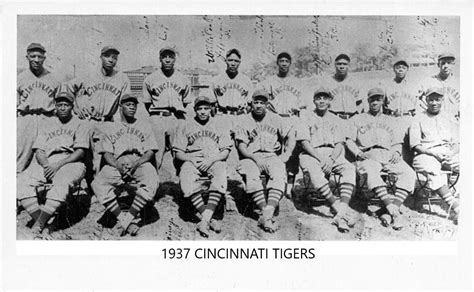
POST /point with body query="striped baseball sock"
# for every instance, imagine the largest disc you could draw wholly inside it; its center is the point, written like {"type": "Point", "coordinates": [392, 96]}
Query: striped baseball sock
{"type": "Point", "coordinates": [382, 194]}
{"type": "Point", "coordinates": [346, 190]}
{"type": "Point", "coordinates": [259, 199]}
{"type": "Point", "coordinates": [449, 197]}
{"type": "Point", "coordinates": [113, 207]}
{"type": "Point", "coordinates": [400, 196]}
{"type": "Point", "coordinates": [213, 201]}
{"type": "Point", "coordinates": [31, 206]}
{"type": "Point", "coordinates": [325, 192]}
{"type": "Point", "coordinates": [274, 197]}
{"type": "Point", "coordinates": [47, 211]}
{"type": "Point", "coordinates": [198, 202]}
{"type": "Point", "coordinates": [138, 203]}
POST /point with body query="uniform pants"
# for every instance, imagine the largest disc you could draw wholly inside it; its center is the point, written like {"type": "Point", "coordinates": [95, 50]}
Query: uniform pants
{"type": "Point", "coordinates": [276, 173]}
{"type": "Point", "coordinates": [189, 178]}
{"type": "Point", "coordinates": [431, 167]}
{"type": "Point", "coordinates": [26, 134]}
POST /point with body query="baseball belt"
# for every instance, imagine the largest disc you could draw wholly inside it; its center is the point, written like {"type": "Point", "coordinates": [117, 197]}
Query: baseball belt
{"type": "Point", "coordinates": [231, 111]}
{"type": "Point", "coordinates": [373, 147]}
{"type": "Point", "coordinates": [161, 113]}
{"type": "Point", "coordinates": [343, 115]}
{"type": "Point", "coordinates": [101, 119]}
{"type": "Point", "coordinates": [37, 112]}
{"type": "Point", "coordinates": [408, 113]}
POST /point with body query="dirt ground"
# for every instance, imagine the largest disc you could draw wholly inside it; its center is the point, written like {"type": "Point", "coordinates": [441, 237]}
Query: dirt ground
{"type": "Point", "coordinates": [171, 218]}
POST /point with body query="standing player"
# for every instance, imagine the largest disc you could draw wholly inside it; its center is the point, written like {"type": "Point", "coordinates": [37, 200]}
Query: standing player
{"type": "Point", "coordinates": [203, 144]}
{"type": "Point", "coordinates": [449, 83]}
{"type": "Point", "coordinates": [35, 101]}
{"type": "Point", "coordinates": [322, 140]}
{"type": "Point", "coordinates": [98, 97]}
{"type": "Point", "coordinates": [164, 96]}
{"type": "Point", "coordinates": [285, 99]}
{"type": "Point", "coordinates": [434, 135]}
{"type": "Point", "coordinates": [127, 148]}
{"type": "Point", "coordinates": [258, 139]}
{"type": "Point", "coordinates": [376, 144]}
{"type": "Point", "coordinates": [59, 150]}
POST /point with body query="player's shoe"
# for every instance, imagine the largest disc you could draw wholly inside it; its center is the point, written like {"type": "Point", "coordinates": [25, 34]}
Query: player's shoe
{"type": "Point", "coordinates": [134, 227]}
{"type": "Point", "coordinates": [398, 222]}
{"type": "Point", "coordinates": [341, 224]}
{"type": "Point", "coordinates": [386, 219]}
{"type": "Point", "coordinates": [203, 228]}
{"type": "Point", "coordinates": [215, 226]}
{"type": "Point", "coordinates": [266, 224]}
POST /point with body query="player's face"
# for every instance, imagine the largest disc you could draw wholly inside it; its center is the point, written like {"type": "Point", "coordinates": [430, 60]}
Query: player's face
{"type": "Point", "coordinates": [167, 60]}
{"type": "Point", "coordinates": [63, 109]}
{"type": "Point", "coordinates": [446, 66]}
{"type": "Point", "coordinates": [129, 108]}
{"type": "Point", "coordinates": [109, 60]}
{"type": "Point", "coordinates": [259, 106]}
{"type": "Point", "coordinates": [322, 101]}
{"type": "Point", "coordinates": [283, 65]}
{"type": "Point", "coordinates": [203, 112]}
{"type": "Point", "coordinates": [400, 70]}
{"type": "Point", "coordinates": [36, 59]}
{"type": "Point", "coordinates": [434, 102]}
{"type": "Point", "coordinates": [375, 103]}
{"type": "Point", "coordinates": [233, 62]}
{"type": "Point", "coordinates": [342, 66]}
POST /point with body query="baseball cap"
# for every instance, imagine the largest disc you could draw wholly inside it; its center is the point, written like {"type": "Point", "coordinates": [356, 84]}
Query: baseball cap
{"type": "Point", "coordinates": [128, 97]}
{"type": "Point", "coordinates": [399, 60]}
{"type": "Point", "coordinates": [260, 93]}
{"type": "Point", "coordinates": [342, 56]}
{"type": "Point", "coordinates": [35, 47]}
{"type": "Point", "coordinates": [284, 55]}
{"type": "Point", "coordinates": [64, 95]}
{"type": "Point", "coordinates": [434, 90]}
{"type": "Point", "coordinates": [168, 49]}
{"type": "Point", "coordinates": [375, 91]}
{"type": "Point", "coordinates": [202, 99]}
{"type": "Point", "coordinates": [322, 91]}
{"type": "Point", "coordinates": [233, 51]}
{"type": "Point", "coordinates": [109, 48]}
{"type": "Point", "coordinates": [446, 55]}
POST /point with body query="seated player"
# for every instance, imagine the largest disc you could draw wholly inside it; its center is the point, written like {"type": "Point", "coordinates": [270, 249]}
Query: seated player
{"type": "Point", "coordinates": [376, 143]}
{"type": "Point", "coordinates": [203, 145]}
{"type": "Point", "coordinates": [258, 139]}
{"type": "Point", "coordinates": [127, 147]}
{"type": "Point", "coordinates": [322, 138]}
{"type": "Point", "coordinates": [434, 136]}
{"type": "Point", "coordinates": [59, 150]}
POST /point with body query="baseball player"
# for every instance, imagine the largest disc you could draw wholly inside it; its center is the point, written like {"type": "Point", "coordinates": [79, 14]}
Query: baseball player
{"type": "Point", "coordinates": [446, 80]}
{"type": "Point", "coordinates": [59, 150]}
{"type": "Point", "coordinates": [434, 135]}
{"type": "Point", "coordinates": [164, 96]}
{"type": "Point", "coordinates": [286, 99]}
{"type": "Point", "coordinates": [36, 89]}
{"type": "Point", "coordinates": [127, 147]}
{"type": "Point", "coordinates": [258, 137]}
{"type": "Point", "coordinates": [203, 144]}
{"type": "Point", "coordinates": [322, 140]}
{"type": "Point", "coordinates": [376, 144]}
{"type": "Point", "coordinates": [98, 96]}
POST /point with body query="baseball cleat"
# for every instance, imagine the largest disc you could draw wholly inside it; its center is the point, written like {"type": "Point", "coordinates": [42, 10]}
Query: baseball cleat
{"type": "Point", "coordinates": [203, 228]}
{"type": "Point", "coordinates": [386, 219]}
{"type": "Point", "coordinates": [215, 226]}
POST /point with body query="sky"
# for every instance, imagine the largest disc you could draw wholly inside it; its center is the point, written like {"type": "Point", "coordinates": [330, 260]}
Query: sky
{"type": "Point", "coordinates": [73, 42]}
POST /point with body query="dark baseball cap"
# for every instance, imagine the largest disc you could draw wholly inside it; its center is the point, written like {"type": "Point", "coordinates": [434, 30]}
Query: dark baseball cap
{"type": "Point", "coordinates": [109, 48]}
{"type": "Point", "coordinates": [377, 91]}
{"type": "Point", "coordinates": [262, 94]}
{"type": "Point", "coordinates": [128, 97]}
{"type": "Point", "coordinates": [202, 99]}
{"type": "Point", "coordinates": [434, 90]}
{"type": "Point", "coordinates": [64, 95]}
{"type": "Point", "coordinates": [168, 49]}
{"type": "Point", "coordinates": [342, 56]}
{"type": "Point", "coordinates": [284, 55]}
{"type": "Point", "coordinates": [322, 91]}
{"type": "Point", "coordinates": [400, 60]}
{"type": "Point", "coordinates": [446, 55]}
{"type": "Point", "coordinates": [233, 51]}
{"type": "Point", "coordinates": [35, 47]}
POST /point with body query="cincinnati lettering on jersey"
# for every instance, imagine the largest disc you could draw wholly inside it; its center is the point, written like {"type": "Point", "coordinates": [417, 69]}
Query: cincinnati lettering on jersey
{"type": "Point", "coordinates": [345, 88]}
{"type": "Point", "coordinates": [373, 126]}
{"type": "Point", "coordinates": [157, 90]}
{"type": "Point", "coordinates": [285, 88]}
{"type": "Point", "coordinates": [233, 85]}
{"type": "Point", "coordinates": [38, 85]}
{"type": "Point", "coordinates": [203, 134]}
{"type": "Point", "coordinates": [328, 128]}
{"type": "Point", "coordinates": [452, 92]}
{"type": "Point", "coordinates": [405, 96]}
{"type": "Point", "coordinates": [128, 130]}
{"type": "Point", "coordinates": [262, 128]}
{"type": "Point", "coordinates": [104, 87]}
{"type": "Point", "coordinates": [59, 132]}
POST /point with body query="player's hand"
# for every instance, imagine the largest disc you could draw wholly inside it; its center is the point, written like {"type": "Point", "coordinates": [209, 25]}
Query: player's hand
{"type": "Point", "coordinates": [218, 91]}
{"type": "Point", "coordinates": [205, 165]}
{"type": "Point", "coordinates": [50, 170]}
{"type": "Point", "coordinates": [395, 157]}
{"type": "Point", "coordinates": [326, 165]}
{"type": "Point", "coordinates": [284, 157]}
{"type": "Point", "coordinates": [362, 156]}
{"type": "Point", "coordinates": [440, 157]}
{"type": "Point", "coordinates": [261, 165]}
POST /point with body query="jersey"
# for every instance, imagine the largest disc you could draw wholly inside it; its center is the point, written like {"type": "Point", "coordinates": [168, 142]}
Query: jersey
{"type": "Point", "coordinates": [36, 93]}
{"type": "Point", "coordinates": [401, 97]}
{"type": "Point", "coordinates": [165, 92]}
{"type": "Point", "coordinates": [347, 96]}
{"type": "Point", "coordinates": [450, 86]}
{"type": "Point", "coordinates": [236, 92]}
{"type": "Point", "coordinates": [375, 131]}
{"type": "Point", "coordinates": [56, 137]}
{"type": "Point", "coordinates": [286, 94]}
{"type": "Point", "coordinates": [434, 130]}
{"type": "Point", "coordinates": [100, 94]}
{"type": "Point", "coordinates": [320, 131]}
{"type": "Point", "coordinates": [122, 138]}
{"type": "Point", "coordinates": [264, 135]}
{"type": "Point", "coordinates": [211, 138]}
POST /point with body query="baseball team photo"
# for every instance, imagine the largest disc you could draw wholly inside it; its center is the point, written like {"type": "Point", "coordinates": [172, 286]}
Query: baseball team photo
{"type": "Point", "coordinates": [238, 127]}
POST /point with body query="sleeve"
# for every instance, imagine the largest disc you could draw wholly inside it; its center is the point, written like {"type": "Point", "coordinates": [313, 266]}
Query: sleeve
{"type": "Point", "coordinates": [302, 129]}
{"type": "Point", "coordinates": [105, 144]}
{"type": "Point", "coordinates": [241, 133]}
{"type": "Point", "coordinates": [351, 132]}
{"type": "Point", "coordinates": [147, 90]}
{"type": "Point", "coordinates": [186, 97]}
{"type": "Point", "coordinates": [81, 138]}
{"type": "Point", "coordinates": [250, 91]}
{"type": "Point", "coordinates": [150, 141]}
{"type": "Point", "coordinates": [341, 129]}
{"type": "Point", "coordinates": [414, 133]}
{"type": "Point", "coordinates": [180, 141]}
{"type": "Point", "coordinates": [225, 142]}
{"type": "Point", "coordinates": [285, 126]}
{"type": "Point", "coordinates": [40, 141]}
